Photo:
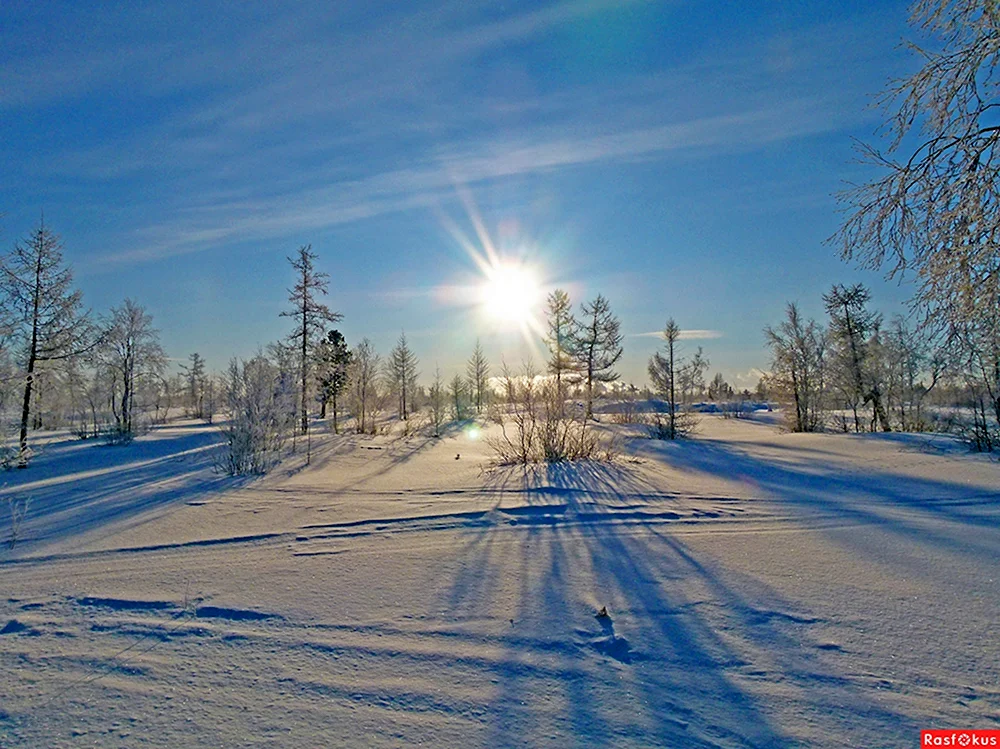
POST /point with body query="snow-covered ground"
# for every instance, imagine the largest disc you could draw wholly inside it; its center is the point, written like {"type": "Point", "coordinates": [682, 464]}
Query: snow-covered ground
{"type": "Point", "coordinates": [762, 589]}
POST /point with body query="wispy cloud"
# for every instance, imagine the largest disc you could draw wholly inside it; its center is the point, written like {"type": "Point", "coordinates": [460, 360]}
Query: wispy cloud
{"type": "Point", "coordinates": [428, 182]}
{"type": "Point", "coordinates": [280, 125]}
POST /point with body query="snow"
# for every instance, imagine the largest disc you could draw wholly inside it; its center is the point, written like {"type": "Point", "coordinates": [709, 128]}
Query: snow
{"type": "Point", "coordinates": [762, 589]}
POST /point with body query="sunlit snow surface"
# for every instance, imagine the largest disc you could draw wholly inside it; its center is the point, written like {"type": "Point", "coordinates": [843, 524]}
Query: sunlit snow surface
{"type": "Point", "coordinates": [763, 589]}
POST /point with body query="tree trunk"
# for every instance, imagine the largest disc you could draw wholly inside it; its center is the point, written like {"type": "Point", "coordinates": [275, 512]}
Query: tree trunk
{"type": "Point", "coordinates": [22, 461]}
{"type": "Point", "coordinates": [879, 415]}
{"type": "Point", "coordinates": [673, 401]}
{"type": "Point", "coordinates": [799, 421]}
{"type": "Point", "coordinates": [305, 351]}
{"type": "Point", "coordinates": [590, 385]}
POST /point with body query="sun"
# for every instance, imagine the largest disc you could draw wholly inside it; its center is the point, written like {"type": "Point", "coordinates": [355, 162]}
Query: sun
{"type": "Point", "coordinates": [510, 293]}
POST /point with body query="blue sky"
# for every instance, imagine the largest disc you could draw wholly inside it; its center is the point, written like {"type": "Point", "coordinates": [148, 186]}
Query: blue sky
{"type": "Point", "coordinates": [678, 157]}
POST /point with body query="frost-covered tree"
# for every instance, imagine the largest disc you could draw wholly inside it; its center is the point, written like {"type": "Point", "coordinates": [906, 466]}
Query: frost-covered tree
{"type": "Point", "coordinates": [332, 361]}
{"type": "Point", "coordinates": [597, 347]}
{"type": "Point", "coordinates": [310, 316]}
{"type": "Point", "coordinates": [560, 339]}
{"type": "Point", "coordinates": [260, 417]}
{"type": "Point", "coordinates": [364, 375]}
{"type": "Point", "coordinates": [932, 210]}
{"type": "Point", "coordinates": [798, 367]}
{"type": "Point", "coordinates": [131, 356]}
{"type": "Point", "coordinates": [691, 376]}
{"type": "Point", "coordinates": [402, 372]}
{"type": "Point", "coordinates": [457, 394]}
{"type": "Point", "coordinates": [194, 379]}
{"type": "Point", "coordinates": [663, 374]}
{"type": "Point", "coordinates": [210, 401]}
{"type": "Point", "coordinates": [438, 399]}
{"type": "Point", "coordinates": [477, 372]}
{"type": "Point", "coordinates": [719, 389]}
{"type": "Point", "coordinates": [854, 364]}
{"type": "Point", "coordinates": [46, 316]}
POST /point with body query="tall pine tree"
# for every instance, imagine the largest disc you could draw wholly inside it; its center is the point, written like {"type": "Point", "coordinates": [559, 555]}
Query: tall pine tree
{"type": "Point", "coordinates": [311, 318]}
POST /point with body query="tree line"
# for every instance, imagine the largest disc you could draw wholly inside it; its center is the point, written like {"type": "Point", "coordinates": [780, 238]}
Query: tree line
{"type": "Point", "coordinates": [106, 371]}
{"type": "Point", "coordinates": [314, 364]}
{"type": "Point", "coordinates": [857, 373]}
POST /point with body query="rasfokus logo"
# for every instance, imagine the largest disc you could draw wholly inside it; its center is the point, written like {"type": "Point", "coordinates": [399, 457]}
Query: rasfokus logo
{"type": "Point", "coordinates": [960, 737]}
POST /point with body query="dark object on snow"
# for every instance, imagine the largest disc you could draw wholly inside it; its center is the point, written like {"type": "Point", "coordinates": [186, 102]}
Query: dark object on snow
{"type": "Point", "coordinates": [458, 455]}
{"type": "Point", "coordinates": [603, 613]}
{"type": "Point", "coordinates": [13, 627]}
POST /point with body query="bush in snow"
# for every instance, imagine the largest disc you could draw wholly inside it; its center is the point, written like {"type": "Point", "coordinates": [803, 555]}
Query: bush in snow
{"type": "Point", "coordinates": [260, 416]}
{"type": "Point", "coordinates": [536, 427]}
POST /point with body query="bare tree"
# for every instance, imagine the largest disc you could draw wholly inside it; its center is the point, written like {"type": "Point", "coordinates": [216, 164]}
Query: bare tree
{"type": "Point", "coordinates": [561, 338]}
{"type": "Point", "coordinates": [194, 378]}
{"type": "Point", "coordinates": [210, 402]}
{"type": "Point", "coordinates": [691, 376]}
{"type": "Point", "coordinates": [402, 371]}
{"type": "Point", "coordinates": [798, 352]}
{"type": "Point", "coordinates": [48, 321]}
{"type": "Point", "coordinates": [540, 431]}
{"type": "Point", "coordinates": [477, 371]}
{"type": "Point", "coordinates": [131, 354]}
{"type": "Point", "coordinates": [976, 361]}
{"type": "Point", "coordinates": [311, 318]}
{"type": "Point", "coordinates": [438, 399]}
{"type": "Point", "coordinates": [365, 389]}
{"type": "Point", "coordinates": [598, 347]}
{"type": "Point", "coordinates": [663, 373]}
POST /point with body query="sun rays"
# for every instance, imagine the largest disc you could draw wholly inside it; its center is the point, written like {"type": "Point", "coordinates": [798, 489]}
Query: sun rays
{"type": "Point", "coordinates": [509, 290]}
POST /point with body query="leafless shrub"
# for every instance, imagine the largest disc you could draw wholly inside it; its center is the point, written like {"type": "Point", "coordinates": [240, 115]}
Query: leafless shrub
{"type": "Point", "coordinates": [737, 409]}
{"type": "Point", "coordinates": [627, 411]}
{"type": "Point", "coordinates": [536, 428]}
{"type": "Point", "coordinates": [17, 508]}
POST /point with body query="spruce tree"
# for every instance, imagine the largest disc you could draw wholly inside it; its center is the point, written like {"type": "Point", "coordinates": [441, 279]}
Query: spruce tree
{"type": "Point", "coordinates": [332, 359]}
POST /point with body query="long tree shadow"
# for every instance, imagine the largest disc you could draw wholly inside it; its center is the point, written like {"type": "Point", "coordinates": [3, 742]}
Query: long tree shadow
{"type": "Point", "coordinates": [661, 678]}
{"type": "Point", "coordinates": [675, 660]}
{"type": "Point", "coordinates": [811, 488]}
{"type": "Point", "coordinates": [75, 488]}
{"type": "Point", "coordinates": [766, 636]}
